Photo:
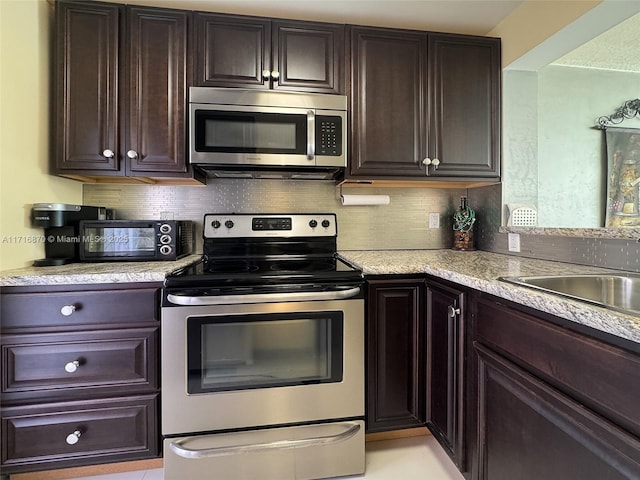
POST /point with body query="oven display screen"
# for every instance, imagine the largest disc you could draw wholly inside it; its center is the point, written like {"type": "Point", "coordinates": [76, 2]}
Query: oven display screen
{"type": "Point", "coordinates": [261, 224]}
{"type": "Point", "coordinates": [263, 351]}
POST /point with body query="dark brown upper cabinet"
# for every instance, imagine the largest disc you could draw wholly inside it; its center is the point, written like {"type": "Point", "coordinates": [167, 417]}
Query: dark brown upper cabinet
{"type": "Point", "coordinates": [424, 106]}
{"type": "Point", "coordinates": [254, 52]}
{"type": "Point", "coordinates": [464, 89]}
{"type": "Point", "coordinates": [121, 79]}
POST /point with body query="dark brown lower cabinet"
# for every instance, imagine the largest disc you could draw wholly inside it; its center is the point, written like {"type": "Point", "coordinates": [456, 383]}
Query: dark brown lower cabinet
{"type": "Point", "coordinates": [395, 353]}
{"type": "Point", "coordinates": [445, 368]}
{"type": "Point", "coordinates": [550, 399]}
{"type": "Point", "coordinates": [79, 432]}
{"type": "Point", "coordinates": [80, 380]}
{"type": "Point", "coordinates": [529, 430]}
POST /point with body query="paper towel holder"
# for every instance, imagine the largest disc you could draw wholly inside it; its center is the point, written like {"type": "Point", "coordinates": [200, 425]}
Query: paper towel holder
{"type": "Point", "coordinates": [363, 200]}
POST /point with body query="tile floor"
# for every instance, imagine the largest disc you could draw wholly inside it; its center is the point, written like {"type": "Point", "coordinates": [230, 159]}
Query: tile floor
{"type": "Point", "coordinates": [414, 458]}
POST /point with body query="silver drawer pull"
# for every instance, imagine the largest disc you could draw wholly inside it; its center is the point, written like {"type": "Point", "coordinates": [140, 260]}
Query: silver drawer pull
{"type": "Point", "coordinates": [67, 310]}
{"type": "Point", "coordinates": [72, 366]}
{"type": "Point", "coordinates": [74, 437]}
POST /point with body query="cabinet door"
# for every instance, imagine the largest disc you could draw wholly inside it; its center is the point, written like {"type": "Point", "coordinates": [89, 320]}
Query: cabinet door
{"type": "Point", "coordinates": [154, 140]}
{"type": "Point", "coordinates": [528, 430]}
{"type": "Point", "coordinates": [388, 102]}
{"type": "Point", "coordinates": [86, 81]}
{"type": "Point", "coordinates": [232, 51]}
{"type": "Point", "coordinates": [445, 368]}
{"type": "Point", "coordinates": [464, 83]}
{"type": "Point", "coordinates": [308, 56]}
{"type": "Point", "coordinates": [395, 357]}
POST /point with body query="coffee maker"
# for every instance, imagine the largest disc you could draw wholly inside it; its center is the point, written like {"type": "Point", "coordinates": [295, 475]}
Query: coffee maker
{"type": "Point", "coordinates": [61, 230]}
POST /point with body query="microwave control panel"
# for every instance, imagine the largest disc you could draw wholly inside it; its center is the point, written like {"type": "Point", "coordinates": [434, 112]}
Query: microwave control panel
{"type": "Point", "coordinates": [329, 135]}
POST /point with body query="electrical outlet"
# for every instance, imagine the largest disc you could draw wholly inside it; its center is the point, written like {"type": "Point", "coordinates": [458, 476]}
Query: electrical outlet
{"type": "Point", "coordinates": [434, 220]}
{"type": "Point", "coordinates": [514, 242]}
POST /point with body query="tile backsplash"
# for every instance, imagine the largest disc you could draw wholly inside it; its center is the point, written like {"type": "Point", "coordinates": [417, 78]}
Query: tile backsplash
{"type": "Point", "coordinates": [614, 253]}
{"type": "Point", "coordinates": [402, 224]}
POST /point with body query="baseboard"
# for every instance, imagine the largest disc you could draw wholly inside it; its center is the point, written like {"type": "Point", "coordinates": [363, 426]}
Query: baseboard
{"type": "Point", "coordinates": [79, 472]}
{"type": "Point", "coordinates": [393, 434]}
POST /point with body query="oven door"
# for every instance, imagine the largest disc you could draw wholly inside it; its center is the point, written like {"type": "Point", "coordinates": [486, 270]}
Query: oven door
{"type": "Point", "coordinates": [251, 365]}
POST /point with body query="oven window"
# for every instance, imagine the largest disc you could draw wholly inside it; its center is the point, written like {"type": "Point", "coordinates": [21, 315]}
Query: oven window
{"type": "Point", "coordinates": [249, 132]}
{"type": "Point", "coordinates": [262, 351]}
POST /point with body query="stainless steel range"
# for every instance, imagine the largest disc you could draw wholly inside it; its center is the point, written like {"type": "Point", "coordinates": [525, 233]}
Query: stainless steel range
{"type": "Point", "coordinates": [263, 354]}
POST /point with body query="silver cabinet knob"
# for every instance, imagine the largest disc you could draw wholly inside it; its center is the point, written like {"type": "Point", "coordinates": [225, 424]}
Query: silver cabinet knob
{"type": "Point", "coordinates": [266, 74]}
{"type": "Point", "coordinates": [67, 310]}
{"type": "Point", "coordinates": [132, 154]}
{"type": "Point", "coordinates": [275, 74]}
{"type": "Point", "coordinates": [452, 312]}
{"type": "Point", "coordinates": [426, 162]}
{"type": "Point", "coordinates": [74, 437]}
{"type": "Point", "coordinates": [71, 366]}
{"type": "Point", "coordinates": [435, 162]}
{"type": "Point", "coordinates": [108, 153]}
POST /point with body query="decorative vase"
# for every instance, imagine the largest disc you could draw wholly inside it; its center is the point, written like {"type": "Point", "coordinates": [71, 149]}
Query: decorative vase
{"type": "Point", "coordinates": [463, 220]}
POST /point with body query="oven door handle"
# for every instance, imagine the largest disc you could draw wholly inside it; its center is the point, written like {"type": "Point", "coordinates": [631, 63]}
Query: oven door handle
{"type": "Point", "coordinates": [262, 298]}
{"type": "Point", "coordinates": [180, 447]}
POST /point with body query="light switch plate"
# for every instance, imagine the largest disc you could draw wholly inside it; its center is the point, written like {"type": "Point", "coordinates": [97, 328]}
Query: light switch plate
{"type": "Point", "coordinates": [434, 220]}
{"type": "Point", "coordinates": [514, 242]}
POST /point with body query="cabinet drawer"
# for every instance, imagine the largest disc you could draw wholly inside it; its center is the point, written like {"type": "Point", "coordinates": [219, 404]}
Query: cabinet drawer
{"type": "Point", "coordinates": [97, 307]}
{"type": "Point", "coordinates": [99, 360]}
{"type": "Point", "coordinates": [70, 434]}
{"type": "Point", "coordinates": [603, 377]}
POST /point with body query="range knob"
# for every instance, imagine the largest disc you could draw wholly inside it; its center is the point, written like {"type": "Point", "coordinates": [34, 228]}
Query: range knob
{"type": "Point", "coordinates": [326, 223]}
{"type": "Point", "coordinates": [215, 224]}
{"type": "Point", "coordinates": [228, 224]}
{"type": "Point", "coordinates": [313, 224]}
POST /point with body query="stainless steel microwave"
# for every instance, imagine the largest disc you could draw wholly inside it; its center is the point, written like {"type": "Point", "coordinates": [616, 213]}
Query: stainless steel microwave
{"type": "Point", "coordinates": [253, 133]}
{"type": "Point", "coordinates": [135, 240]}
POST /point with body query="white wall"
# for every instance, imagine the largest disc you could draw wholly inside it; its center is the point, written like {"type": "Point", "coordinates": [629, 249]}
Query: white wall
{"type": "Point", "coordinates": [572, 166]}
{"type": "Point", "coordinates": [25, 27]}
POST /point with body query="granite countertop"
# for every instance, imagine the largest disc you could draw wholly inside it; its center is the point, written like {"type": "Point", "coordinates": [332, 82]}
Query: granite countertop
{"type": "Point", "coordinates": [83, 273]}
{"type": "Point", "coordinates": [480, 270]}
{"type": "Point", "coordinates": [476, 269]}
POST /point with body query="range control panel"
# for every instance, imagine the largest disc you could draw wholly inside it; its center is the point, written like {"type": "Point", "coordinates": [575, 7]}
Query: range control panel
{"type": "Point", "coordinates": [241, 225]}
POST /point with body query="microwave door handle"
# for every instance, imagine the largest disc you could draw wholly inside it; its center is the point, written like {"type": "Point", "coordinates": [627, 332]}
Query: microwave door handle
{"type": "Point", "coordinates": [311, 135]}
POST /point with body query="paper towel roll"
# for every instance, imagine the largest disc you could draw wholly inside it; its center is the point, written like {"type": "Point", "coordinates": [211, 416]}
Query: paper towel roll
{"type": "Point", "coordinates": [365, 199]}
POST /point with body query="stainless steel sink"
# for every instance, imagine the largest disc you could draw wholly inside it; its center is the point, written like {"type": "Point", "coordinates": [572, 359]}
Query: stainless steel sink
{"type": "Point", "coordinates": [618, 292]}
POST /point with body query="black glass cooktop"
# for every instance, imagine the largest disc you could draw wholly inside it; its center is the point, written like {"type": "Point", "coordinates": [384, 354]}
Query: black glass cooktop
{"type": "Point", "coordinates": [253, 271]}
